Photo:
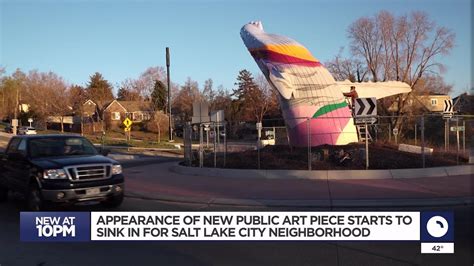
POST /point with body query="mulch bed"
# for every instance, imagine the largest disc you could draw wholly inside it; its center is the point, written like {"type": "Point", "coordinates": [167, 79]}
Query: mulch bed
{"type": "Point", "coordinates": [381, 156]}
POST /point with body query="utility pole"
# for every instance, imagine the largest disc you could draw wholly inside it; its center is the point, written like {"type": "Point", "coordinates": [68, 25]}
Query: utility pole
{"type": "Point", "coordinates": [170, 128]}
{"type": "Point", "coordinates": [17, 102]}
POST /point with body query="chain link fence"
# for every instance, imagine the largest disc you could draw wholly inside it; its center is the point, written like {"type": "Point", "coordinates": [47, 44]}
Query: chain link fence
{"type": "Point", "coordinates": [392, 142]}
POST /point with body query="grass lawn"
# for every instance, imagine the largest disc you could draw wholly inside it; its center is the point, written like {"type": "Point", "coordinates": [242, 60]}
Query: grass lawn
{"type": "Point", "coordinates": [117, 138]}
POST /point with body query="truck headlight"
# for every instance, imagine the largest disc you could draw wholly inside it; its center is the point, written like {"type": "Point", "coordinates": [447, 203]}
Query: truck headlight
{"type": "Point", "coordinates": [54, 174]}
{"type": "Point", "coordinates": [116, 169]}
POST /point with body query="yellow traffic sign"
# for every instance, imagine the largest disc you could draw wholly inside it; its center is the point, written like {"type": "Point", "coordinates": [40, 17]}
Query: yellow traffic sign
{"type": "Point", "coordinates": [127, 122]}
{"type": "Point", "coordinates": [127, 129]}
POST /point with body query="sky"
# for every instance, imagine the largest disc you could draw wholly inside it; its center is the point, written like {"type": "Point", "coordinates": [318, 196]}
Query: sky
{"type": "Point", "coordinates": [121, 38]}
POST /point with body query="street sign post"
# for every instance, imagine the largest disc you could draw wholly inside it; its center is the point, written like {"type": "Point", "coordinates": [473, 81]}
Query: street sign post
{"type": "Point", "coordinates": [259, 130]}
{"type": "Point", "coordinates": [365, 120]}
{"type": "Point", "coordinates": [30, 120]}
{"type": "Point", "coordinates": [365, 107]}
{"type": "Point", "coordinates": [365, 111]}
{"type": "Point", "coordinates": [448, 109]}
{"type": "Point", "coordinates": [128, 128]}
{"type": "Point", "coordinates": [127, 122]}
{"type": "Point", "coordinates": [458, 128]}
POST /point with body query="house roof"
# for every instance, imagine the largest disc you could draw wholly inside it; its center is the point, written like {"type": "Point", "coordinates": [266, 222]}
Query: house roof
{"type": "Point", "coordinates": [134, 106]}
{"type": "Point", "coordinates": [464, 96]}
{"type": "Point", "coordinates": [128, 106]}
{"type": "Point", "coordinates": [464, 103]}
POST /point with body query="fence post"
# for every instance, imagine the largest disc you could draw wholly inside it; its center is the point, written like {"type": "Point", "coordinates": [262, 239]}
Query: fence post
{"type": "Point", "coordinates": [415, 133]}
{"type": "Point", "coordinates": [207, 137]}
{"type": "Point", "coordinates": [366, 147]}
{"type": "Point", "coordinates": [185, 145]}
{"type": "Point", "coordinates": [201, 144]}
{"type": "Point", "coordinates": [389, 132]}
{"type": "Point", "coordinates": [225, 142]}
{"type": "Point", "coordinates": [259, 132]}
{"type": "Point", "coordinates": [188, 150]}
{"type": "Point", "coordinates": [457, 140]}
{"type": "Point", "coordinates": [218, 133]}
{"type": "Point", "coordinates": [215, 146]}
{"type": "Point", "coordinates": [423, 140]}
{"type": "Point", "coordinates": [447, 134]}
{"type": "Point", "coordinates": [464, 137]}
{"type": "Point", "coordinates": [308, 130]}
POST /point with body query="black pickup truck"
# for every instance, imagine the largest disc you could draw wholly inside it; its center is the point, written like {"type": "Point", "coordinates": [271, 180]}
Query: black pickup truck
{"type": "Point", "coordinates": [59, 169]}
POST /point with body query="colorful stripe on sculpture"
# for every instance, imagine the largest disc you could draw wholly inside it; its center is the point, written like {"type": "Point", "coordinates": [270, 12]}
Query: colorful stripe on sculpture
{"type": "Point", "coordinates": [306, 89]}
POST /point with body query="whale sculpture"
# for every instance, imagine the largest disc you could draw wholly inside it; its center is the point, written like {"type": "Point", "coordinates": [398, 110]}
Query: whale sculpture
{"type": "Point", "coordinates": [311, 101]}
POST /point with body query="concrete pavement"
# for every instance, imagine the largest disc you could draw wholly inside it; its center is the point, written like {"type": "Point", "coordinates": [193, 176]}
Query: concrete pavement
{"type": "Point", "coordinates": [157, 181]}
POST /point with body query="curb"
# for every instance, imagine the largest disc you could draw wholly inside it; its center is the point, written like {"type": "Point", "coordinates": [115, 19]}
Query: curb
{"type": "Point", "coordinates": [325, 174]}
{"type": "Point", "coordinates": [328, 204]}
{"type": "Point", "coordinates": [119, 157]}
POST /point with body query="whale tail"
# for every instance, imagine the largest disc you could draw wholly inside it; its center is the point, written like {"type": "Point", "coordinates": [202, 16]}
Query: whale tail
{"type": "Point", "coordinates": [307, 89]}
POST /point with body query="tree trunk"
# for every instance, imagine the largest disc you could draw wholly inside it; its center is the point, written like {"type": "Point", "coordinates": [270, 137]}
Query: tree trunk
{"type": "Point", "coordinates": [62, 124]}
{"type": "Point", "coordinates": [159, 134]}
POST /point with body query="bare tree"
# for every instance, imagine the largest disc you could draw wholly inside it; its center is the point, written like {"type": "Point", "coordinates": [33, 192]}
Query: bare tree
{"type": "Point", "coordinates": [145, 83]}
{"type": "Point", "coordinates": [11, 89]}
{"type": "Point", "coordinates": [158, 123]}
{"type": "Point", "coordinates": [366, 43]}
{"type": "Point", "coordinates": [268, 101]}
{"type": "Point", "coordinates": [401, 48]}
{"type": "Point", "coordinates": [208, 92]}
{"type": "Point", "coordinates": [183, 100]}
{"type": "Point", "coordinates": [347, 68]}
{"type": "Point", "coordinates": [47, 95]}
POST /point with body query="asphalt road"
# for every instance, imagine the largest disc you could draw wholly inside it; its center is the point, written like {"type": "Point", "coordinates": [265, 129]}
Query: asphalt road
{"type": "Point", "coordinates": [14, 252]}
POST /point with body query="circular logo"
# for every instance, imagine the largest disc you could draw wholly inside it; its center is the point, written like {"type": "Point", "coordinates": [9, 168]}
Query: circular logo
{"type": "Point", "coordinates": [437, 226]}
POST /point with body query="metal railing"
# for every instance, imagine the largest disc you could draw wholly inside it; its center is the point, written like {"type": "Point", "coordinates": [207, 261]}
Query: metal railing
{"type": "Point", "coordinates": [431, 138]}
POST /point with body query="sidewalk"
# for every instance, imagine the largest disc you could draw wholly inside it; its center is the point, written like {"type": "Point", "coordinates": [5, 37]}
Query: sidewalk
{"type": "Point", "coordinates": [158, 182]}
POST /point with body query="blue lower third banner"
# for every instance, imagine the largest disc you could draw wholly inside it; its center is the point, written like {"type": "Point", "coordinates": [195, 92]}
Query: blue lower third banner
{"type": "Point", "coordinates": [54, 226]}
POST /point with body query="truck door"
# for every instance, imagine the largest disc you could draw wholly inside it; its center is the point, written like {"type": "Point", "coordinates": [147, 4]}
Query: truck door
{"type": "Point", "coordinates": [15, 165]}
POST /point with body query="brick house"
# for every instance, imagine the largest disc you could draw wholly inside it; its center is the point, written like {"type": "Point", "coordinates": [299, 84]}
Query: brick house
{"type": "Point", "coordinates": [116, 111]}
{"type": "Point", "coordinates": [429, 103]}
{"type": "Point", "coordinates": [464, 104]}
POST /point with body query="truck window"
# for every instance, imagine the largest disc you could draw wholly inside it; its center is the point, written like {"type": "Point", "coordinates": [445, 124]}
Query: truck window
{"type": "Point", "coordinates": [22, 147]}
{"type": "Point", "coordinates": [60, 146]}
{"type": "Point", "coordinates": [13, 146]}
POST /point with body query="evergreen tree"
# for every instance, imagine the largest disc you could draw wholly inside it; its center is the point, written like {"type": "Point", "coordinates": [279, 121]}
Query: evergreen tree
{"type": "Point", "coordinates": [159, 96]}
{"type": "Point", "coordinates": [245, 83]}
{"type": "Point", "coordinates": [245, 93]}
{"type": "Point", "coordinates": [125, 94]}
{"type": "Point", "coordinates": [99, 89]}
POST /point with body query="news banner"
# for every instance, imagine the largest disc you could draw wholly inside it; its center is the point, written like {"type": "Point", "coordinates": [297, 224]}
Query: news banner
{"type": "Point", "coordinates": [434, 230]}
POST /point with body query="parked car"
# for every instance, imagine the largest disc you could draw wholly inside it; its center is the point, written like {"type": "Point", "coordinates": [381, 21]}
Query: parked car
{"type": "Point", "coordinates": [27, 131]}
{"type": "Point", "coordinates": [54, 170]}
{"type": "Point", "coordinates": [9, 129]}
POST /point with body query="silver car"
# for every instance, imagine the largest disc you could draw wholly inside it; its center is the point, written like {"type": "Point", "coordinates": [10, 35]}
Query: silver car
{"type": "Point", "coordinates": [27, 131]}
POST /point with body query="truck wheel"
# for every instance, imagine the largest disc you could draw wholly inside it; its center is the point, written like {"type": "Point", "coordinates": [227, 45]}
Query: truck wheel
{"type": "Point", "coordinates": [113, 202]}
{"type": "Point", "coordinates": [34, 201]}
{"type": "Point", "coordinates": [3, 194]}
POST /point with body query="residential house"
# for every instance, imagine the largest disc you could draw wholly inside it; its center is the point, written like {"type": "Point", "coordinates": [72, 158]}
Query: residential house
{"type": "Point", "coordinates": [116, 111]}
{"type": "Point", "coordinates": [464, 104]}
{"type": "Point", "coordinates": [429, 103]}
